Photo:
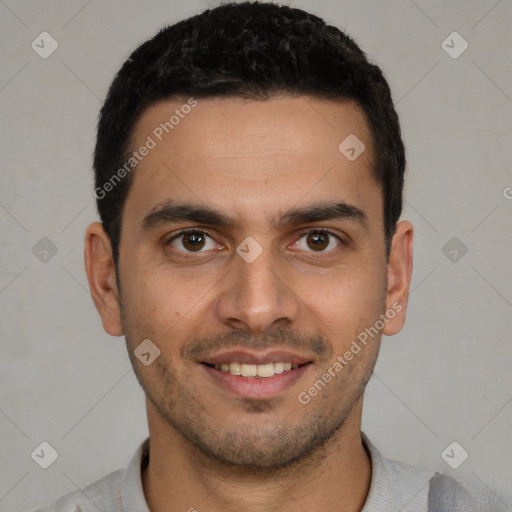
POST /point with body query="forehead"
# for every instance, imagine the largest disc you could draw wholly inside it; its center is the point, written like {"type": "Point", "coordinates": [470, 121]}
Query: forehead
{"type": "Point", "coordinates": [252, 156]}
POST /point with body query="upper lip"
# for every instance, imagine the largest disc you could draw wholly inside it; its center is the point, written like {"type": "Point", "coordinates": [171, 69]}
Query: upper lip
{"type": "Point", "coordinates": [255, 357]}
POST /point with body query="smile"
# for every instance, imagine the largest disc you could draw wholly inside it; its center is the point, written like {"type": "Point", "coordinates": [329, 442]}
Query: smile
{"type": "Point", "coordinates": [264, 370]}
{"type": "Point", "coordinates": [256, 381]}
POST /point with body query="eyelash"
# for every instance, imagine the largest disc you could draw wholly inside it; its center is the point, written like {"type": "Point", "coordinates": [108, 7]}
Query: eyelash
{"type": "Point", "coordinates": [302, 234]}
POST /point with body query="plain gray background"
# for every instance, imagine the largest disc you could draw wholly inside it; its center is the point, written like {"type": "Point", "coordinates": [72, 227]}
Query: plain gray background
{"type": "Point", "coordinates": [447, 377]}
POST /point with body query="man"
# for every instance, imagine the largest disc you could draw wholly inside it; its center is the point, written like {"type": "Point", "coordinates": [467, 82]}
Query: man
{"type": "Point", "coordinates": [249, 174]}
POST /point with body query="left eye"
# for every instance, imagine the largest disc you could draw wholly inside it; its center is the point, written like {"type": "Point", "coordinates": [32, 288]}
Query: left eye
{"type": "Point", "coordinates": [193, 241]}
{"type": "Point", "coordinates": [318, 241]}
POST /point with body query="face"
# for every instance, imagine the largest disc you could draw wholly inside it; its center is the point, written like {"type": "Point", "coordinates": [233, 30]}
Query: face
{"type": "Point", "coordinates": [250, 241]}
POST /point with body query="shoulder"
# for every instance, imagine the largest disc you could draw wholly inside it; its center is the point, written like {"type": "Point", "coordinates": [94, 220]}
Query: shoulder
{"type": "Point", "coordinates": [114, 492]}
{"type": "Point", "coordinates": [399, 486]}
{"type": "Point", "coordinates": [447, 493]}
{"type": "Point", "coordinates": [97, 495]}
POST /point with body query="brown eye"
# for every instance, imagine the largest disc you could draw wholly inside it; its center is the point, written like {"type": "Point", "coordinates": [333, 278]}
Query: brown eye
{"type": "Point", "coordinates": [318, 241]}
{"type": "Point", "coordinates": [192, 241]}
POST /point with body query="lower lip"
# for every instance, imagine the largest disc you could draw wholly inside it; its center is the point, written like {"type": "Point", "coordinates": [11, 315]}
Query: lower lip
{"type": "Point", "coordinates": [256, 387]}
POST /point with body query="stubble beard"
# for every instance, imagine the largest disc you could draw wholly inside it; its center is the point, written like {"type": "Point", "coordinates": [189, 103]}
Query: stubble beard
{"type": "Point", "coordinates": [251, 447]}
{"type": "Point", "coordinates": [245, 447]}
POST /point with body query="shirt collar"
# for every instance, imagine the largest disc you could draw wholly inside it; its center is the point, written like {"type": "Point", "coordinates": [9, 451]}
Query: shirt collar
{"type": "Point", "coordinates": [380, 496]}
{"type": "Point", "coordinates": [132, 492]}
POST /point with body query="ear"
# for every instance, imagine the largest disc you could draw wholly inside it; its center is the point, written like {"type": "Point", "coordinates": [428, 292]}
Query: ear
{"type": "Point", "coordinates": [100, 270]}
{"type": "Point", "coordinates": [399, 278]}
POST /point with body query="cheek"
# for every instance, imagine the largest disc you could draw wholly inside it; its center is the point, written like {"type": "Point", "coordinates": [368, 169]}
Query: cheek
{"type": "Point", "coordinates": [149, 305]}
{"type": "Point", "coordinates": [161, 305]}
{"type": "Point", "coordinates": [347, 301]}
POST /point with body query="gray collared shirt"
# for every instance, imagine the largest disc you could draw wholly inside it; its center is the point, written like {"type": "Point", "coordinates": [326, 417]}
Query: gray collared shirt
{"type": "Point", "coordinates": [394, 487]}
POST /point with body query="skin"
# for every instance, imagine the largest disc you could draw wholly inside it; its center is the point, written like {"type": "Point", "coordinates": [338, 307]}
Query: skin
{"type": "Point", "coordinates": [254, 161]}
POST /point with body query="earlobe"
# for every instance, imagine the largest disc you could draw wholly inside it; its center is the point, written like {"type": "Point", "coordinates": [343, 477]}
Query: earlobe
{"type": "Point", "coordinates": [100, 270]}
{"type": "Point", "coordinates": [399, 277]}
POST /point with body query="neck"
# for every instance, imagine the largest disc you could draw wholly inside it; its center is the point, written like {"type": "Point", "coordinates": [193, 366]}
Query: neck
{"type": "Point", "coordinates": [179, 477]}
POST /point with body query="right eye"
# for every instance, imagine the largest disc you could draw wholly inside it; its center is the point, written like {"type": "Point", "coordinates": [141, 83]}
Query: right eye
{"type": "Point", "coordinates": [192, 240]}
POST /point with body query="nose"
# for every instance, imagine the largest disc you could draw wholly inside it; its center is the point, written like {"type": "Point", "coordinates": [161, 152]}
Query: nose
{"type": "Point", "coordinates": [254, 296]}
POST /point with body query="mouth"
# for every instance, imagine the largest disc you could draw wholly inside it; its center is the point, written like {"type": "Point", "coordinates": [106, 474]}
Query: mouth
{"type": "Point", "coordinates": [255, 375]}
{"type": "Point", "coordinates": [261, 371]}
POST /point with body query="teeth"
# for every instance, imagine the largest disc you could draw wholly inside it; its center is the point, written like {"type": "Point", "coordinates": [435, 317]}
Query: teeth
{"type": "Point", "coordinates": [278, 367]}
{"type": "Point", "coordinates": [235, 368]}
{"type": "Point", "coordinates": [265, 370]}
{"type": "Point", "coordinates": [249, 370]}
{"type": "Point", "coordinates": [256, 370]}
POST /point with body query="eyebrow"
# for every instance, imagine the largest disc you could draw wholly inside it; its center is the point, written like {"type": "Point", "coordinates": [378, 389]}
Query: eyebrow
{"type": "Point", "coordinates": [170, 212]}
{"type": "Point", "coordinates": [329, 210]}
